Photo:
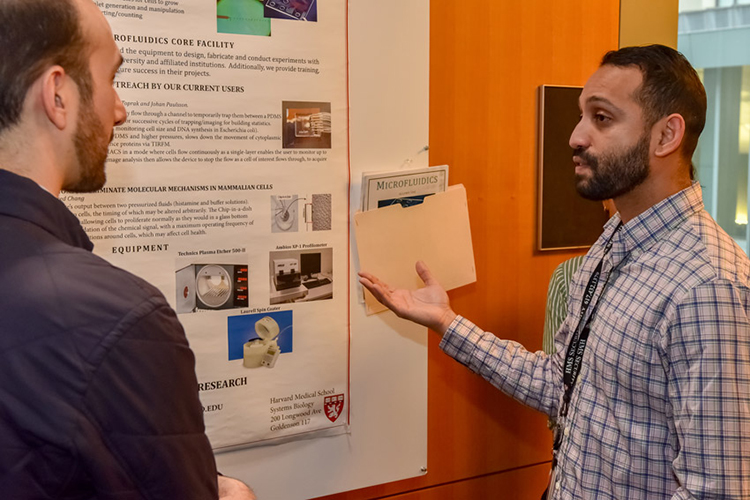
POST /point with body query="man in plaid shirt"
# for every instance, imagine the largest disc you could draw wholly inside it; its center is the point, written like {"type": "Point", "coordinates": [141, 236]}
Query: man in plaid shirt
{"type": "Point", "coordinates": [650, 384]}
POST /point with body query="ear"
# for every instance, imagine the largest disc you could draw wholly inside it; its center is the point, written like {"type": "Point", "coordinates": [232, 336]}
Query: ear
{"type": "Point", "coordinates": [671, 132]}
{"type": "Point", "coordinates": [57, 92]}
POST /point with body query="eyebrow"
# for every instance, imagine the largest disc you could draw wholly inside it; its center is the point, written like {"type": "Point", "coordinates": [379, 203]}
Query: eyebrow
{"type": "Point", "coordinates": [594, 99]}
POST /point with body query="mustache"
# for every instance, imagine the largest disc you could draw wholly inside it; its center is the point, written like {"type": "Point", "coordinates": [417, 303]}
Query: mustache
{"type": "Point", "coordinates": [586, 157]}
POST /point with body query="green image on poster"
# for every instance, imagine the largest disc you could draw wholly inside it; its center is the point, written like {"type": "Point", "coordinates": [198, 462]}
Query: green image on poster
{"type": "Point", "coordinates": [242, 17]}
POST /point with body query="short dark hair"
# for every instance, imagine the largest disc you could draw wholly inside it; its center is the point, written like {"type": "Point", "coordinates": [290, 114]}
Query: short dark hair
{"type": "Point", "coordinates": [670, 85]}
{"type": "Point", "coordinates": [35, 35]}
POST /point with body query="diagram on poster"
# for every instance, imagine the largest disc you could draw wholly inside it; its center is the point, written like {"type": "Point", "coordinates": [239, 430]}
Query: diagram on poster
{"type": "Point", "coordinates": [292, 213]}
{"type": "Point", "coordinates": [228, 190]}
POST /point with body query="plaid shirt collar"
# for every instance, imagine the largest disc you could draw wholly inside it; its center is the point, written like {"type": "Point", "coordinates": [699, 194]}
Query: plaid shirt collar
{"type": "Point", "coordinates": [640, 233]}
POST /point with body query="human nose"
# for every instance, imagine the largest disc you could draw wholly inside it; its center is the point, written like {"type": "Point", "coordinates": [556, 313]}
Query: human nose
{"type": "Point", "coordinates": [121, 114]}
{"type": "Point", "coordinates": [579, 137]}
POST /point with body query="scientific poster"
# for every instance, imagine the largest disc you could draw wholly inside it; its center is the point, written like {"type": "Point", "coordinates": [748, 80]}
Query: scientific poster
{"type": "Point", "coordinates": [228, 190]}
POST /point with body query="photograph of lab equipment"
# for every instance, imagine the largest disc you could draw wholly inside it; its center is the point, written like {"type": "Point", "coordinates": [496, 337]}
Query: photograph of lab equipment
{"type": "Point", "coordinates": [296, 10]}
{"type": "Point", "coordinates": [263, 351]}
{"type": "Point", "coordinates": [306, 124]}
{"type": "Point", "coordinates": [211, 287]}
{"type": "Point", "coordinates": [286, 273]}
{"type": "Point", "coordinates": [259, 339]}
{"type": "Point", "coordinates": [301, 276]}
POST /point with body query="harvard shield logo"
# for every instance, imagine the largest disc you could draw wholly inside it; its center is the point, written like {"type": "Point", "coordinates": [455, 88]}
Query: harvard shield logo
{"type": "Point", "coordinates": [333, 406]}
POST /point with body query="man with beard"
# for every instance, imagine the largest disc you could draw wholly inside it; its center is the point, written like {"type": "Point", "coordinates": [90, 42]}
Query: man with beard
{"type": "Point", "coordinates": [98, 394]}
{"type": "Point", "coordinates": [650, 384]}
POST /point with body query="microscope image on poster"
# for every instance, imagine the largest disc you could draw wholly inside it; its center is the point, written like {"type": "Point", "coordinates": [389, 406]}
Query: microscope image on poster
{"type": "Point", "coordinates": [211, 286]}
{"type": "Point", "coordinates": [306, 125]}
{"type": "Point", "coordinates": [301, 275]}
{"type": "Point", "coordinates": [312, 212]}
{"type": "Point", "coordinates": [260, 339]}
{"type": "Point", "coordinates": [295, 10]}
{"type": "Point", "coordinates": [242, 17]}
{"type": "Point", "coordinates": [253, 17]}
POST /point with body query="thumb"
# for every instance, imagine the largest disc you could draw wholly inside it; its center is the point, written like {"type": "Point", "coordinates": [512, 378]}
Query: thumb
{"type": "Point", "coordinates": [425, 274]}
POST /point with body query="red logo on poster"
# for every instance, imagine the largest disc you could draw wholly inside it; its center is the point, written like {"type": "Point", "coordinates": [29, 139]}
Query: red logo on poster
{"type": "Point", "coordinates": [333, 406]}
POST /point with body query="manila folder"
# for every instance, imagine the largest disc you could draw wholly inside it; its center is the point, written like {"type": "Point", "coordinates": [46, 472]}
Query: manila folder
{"type": "Point", "coordinates": [392, 239]}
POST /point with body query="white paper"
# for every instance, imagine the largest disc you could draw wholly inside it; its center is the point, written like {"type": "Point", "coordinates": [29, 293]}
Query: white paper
{"type": "Point", "coordinates": [234, 158]}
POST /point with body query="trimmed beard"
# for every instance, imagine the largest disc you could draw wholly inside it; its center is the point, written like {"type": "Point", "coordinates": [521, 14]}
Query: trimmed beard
{"type": "Point", "coordinates": [613, 174]}
{"type": "Point", "coordinates": [91, 150]}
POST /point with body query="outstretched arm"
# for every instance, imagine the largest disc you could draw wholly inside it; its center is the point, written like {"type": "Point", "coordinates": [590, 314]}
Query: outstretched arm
{"type": "Point", "coordinates": [429, 306]}
{"type": "Point", "coordinates": [531, 378]}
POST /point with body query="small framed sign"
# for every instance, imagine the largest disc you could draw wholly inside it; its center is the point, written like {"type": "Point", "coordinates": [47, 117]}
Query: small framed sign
{"type": "Point", "coordinates": [565, 220]}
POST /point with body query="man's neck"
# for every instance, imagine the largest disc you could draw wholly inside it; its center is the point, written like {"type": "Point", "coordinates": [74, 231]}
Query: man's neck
{"type": "Point", "coordinates": [645, 196]}
{"type": "Point", "coordinates": [31, 150]}
{"type": "Point", "coordinates": [38, 170]}
{"type": "Point", "coordinates": [43, 181]}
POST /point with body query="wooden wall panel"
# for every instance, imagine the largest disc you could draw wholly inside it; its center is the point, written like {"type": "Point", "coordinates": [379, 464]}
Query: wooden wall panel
{"type": "Point", "coordinates": [487, 60]}
{"type": "Point", "coordinates": [645, 21]}
{"type": "Point", "coordinates": [510, 485]}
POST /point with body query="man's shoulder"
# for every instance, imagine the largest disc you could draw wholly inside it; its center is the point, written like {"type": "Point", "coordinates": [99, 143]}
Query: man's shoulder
{"type": "Point", "coordinates": [693, 252]}
{"type": "Point", "coordinates": [712, 251]}
{"type": "Point", "coordinates": [63, 288]}
{"type": "Point", "coordinates": [567, 268]}
{"type": "Point", "coordinates": [563, 274]}
{"type": "Point", "coordinates": [79, 272]}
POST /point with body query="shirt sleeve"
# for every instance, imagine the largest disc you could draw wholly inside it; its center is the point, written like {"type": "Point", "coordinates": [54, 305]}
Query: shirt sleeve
{"type": "Point", "coordinates": [142, 432]}
{"type": "Point", "coordinates": [533, 378]}
{"type": "Point", "coordinates": [707, 356]}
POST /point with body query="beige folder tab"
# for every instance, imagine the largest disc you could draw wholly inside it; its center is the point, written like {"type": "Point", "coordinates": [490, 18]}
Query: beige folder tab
{"type": "Point", "coordinates": [392, 239]}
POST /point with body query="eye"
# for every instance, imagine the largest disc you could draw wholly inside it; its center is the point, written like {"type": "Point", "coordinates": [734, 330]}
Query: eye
{"type": "Point", "coordinates": [602, 118]}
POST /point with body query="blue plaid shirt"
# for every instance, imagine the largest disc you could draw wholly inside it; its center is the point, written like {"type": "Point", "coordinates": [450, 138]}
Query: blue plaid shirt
{"type": "Point", "coordinates": [661, 409]}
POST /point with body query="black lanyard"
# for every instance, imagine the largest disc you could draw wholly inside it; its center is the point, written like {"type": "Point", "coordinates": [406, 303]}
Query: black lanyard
{"type": "Point", "coordinates": [577, 346]}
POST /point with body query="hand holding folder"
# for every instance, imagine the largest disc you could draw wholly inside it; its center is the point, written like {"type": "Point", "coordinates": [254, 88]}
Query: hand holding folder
{"type": "Point", "coordinates": [391, 239]}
